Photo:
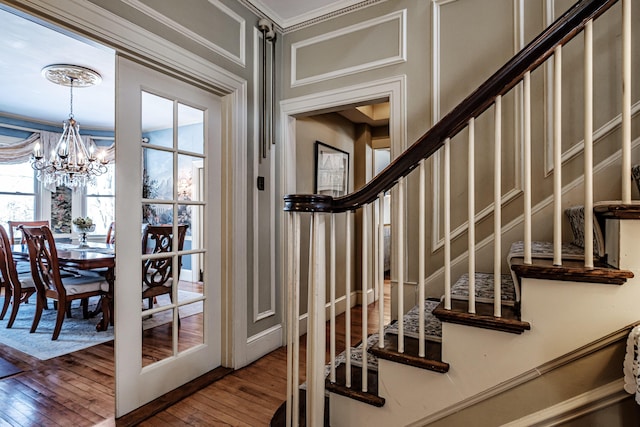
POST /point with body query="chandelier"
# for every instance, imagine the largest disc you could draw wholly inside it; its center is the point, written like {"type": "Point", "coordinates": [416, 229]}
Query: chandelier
{"type": "Point", "coordinates": [71, 163]}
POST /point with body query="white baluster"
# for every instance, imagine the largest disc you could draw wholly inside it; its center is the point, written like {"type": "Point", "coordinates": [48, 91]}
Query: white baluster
{"type": "Point", "coordinates": [295, 323]}
{"type": "Point", "coordinates": [381, 269]}
{"type": "Point", "coordinates": [291, 256]}
{"type": "Point", "coordinates": [332, 297]}
{"type": "Point", "coordinates": [347, 293]}
{"type": "Point", "coordinates": [527, 167]}
{"type": "Point", "coordinates": [471, 230]}
{"type": "Point", "coordinates": [316, 331]}
{"type": "Point", "coordinates": [447, 223]}
{"type": "Point", "coordinates": [626, 101]}
{"type": "Point", "coordinates": [421, 261]}
{"type": "Point", "coordinates": [365, 287]}
{"type": "Point", "coordinates": [588, 144]}
{"type": "Point", "coordinates": [557, 156]}
{"type": "Point", "coordinates": [497, 209]}
{"type": "Point", "coordinates": [401, 265]}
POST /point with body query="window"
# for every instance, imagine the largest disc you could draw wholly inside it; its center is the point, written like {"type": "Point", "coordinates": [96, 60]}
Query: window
{"type": "Point", "coordinates": [17, 192]}
{"type": "Point", "coordinates": [100, 199]}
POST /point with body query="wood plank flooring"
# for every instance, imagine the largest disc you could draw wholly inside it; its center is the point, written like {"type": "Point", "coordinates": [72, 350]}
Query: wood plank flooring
{"type": "Point", "coordinates": [77, 389]}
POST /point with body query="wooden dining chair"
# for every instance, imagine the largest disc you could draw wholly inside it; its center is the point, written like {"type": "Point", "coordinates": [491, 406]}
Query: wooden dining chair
{"type": "Point", "coordinates": [14, 233]}
{"type": "Point", "coordinates": [45, 269]}
{"type": "Point", "coordinates": [157, 273]}
{"type": "Point", "coordinates": [17, 287]}
{"type": "Point", "coordinates": [15, 226]}
{"type": "Point", "coordinates": [111, 233]}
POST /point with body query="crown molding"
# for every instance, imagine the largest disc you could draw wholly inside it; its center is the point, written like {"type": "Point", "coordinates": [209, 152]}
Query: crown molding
{"type": "Point", "coordinates": [308, 19]}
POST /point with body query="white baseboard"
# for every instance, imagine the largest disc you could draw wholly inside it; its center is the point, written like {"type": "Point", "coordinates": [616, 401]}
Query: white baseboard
{"type": "Point", "coordinates": [264, 342]}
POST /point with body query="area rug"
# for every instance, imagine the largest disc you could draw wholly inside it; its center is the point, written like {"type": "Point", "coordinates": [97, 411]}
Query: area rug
{"type": "Point", "coordinates": [77, 333]}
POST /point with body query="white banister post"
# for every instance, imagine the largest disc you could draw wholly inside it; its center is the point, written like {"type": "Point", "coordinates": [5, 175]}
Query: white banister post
{"type": "Point", "coordinates": [557, 157]}
{"type": "Point", "coordinates": [588, 144]}
{"type": "Point", "coordinates": [316, 325]}
{"type": "Point", "coordinates": [471, 214]}
{"type": "Point", "coordinates": [294, 324]}
{"type": "Point", "coordinates": [291, 256]}
{"type": "Point", "coordinates": [332, 296]}
{"type": "Point", "coordinates": [447, 223]}
{"type": "Point", "coordinates": [421, 261]}
{"type": "Point", "coordinates": [380, 272]}
{"type": "Point", "coordinates": [626, 101]}
{"type": "Point", "coordinates": [365, 279]}
{"type": "Point", "coordinates": [527, 167]}
{"type": "Point", "coordinates": [497, 209]}
{"type": "Point", "coordinates": [401, 264]}
{"type": "Point", "coordinates": [347, 292]}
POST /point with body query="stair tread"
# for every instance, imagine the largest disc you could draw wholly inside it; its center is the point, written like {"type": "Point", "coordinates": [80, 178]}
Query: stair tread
{"type": "Point", "coordinates": [433, 353]}
{"type": "Point", "coordinates": [484, 291]}
{"type": "Point", "coordinates": [483, 317]}
{"type": "Point", "coordinates": [571, 270]}
{"type": "Point", "coordinates": [355, 391]}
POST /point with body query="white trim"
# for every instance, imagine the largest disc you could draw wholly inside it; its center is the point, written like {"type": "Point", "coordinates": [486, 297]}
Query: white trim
{"type": "Point", "coordinates": [192, 35]}
{"type": "Point", "coordinates": [437, 240]}
{"type": "Point", "coordinates": [303, 20]}
{"type": "Point", "coordinates": [393, 88]}
{"type": "Point", "coordinates": [401, 56]}
{"type": "Point", "coordinates": [271, 311]}
{"type": "Point", "coordinates": [577, 406]}
{"type": "Point", "coordinates": [265, 341]}
{"type": "Point", "coordinates": [598, 136]}
{"type": "Point", "coordinates": [527, 376]}
{"type": "Point", "coordinates": [143, 45]}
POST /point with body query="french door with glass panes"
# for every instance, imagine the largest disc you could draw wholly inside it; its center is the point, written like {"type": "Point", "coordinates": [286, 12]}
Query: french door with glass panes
{"type": "Point", "coordinates": [168, 223]}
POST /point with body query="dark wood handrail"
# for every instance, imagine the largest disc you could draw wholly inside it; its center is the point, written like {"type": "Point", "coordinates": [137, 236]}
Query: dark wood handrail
{"type": "Point", "coordinates": [528, 59]}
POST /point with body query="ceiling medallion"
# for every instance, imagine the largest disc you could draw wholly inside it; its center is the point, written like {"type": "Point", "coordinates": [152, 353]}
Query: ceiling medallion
{"type": "Point", "coordinates": [65, 74]}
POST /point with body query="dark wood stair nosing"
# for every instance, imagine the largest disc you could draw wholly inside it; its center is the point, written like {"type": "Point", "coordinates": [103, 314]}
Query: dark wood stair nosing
{"type": "Point", "coordinates": [483, 318]}
{"type": "Point", "coordinates": [355, 392]}
{"type": "Point", "coordinates": [432, 360]}
{"type": "Point", "coordinates": [572, 271]}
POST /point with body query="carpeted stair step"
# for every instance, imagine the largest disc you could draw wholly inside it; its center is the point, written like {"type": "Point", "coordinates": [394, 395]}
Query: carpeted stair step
{"type": "Point", "coordinates": [484, 310]}
{"type": "Point", "coordinates": [355, 391]}
{"type": "Point", "coordinates": [572, 268]}
{"type": "Point", "coordinates": [433, 341]}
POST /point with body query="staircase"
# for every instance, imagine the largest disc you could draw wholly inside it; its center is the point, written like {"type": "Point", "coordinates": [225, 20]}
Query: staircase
{"type": "Point", "coordinates": [512, 312]}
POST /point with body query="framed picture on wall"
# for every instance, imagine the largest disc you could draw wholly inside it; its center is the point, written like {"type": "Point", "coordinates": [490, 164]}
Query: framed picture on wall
{"type": "Point", "coordinates": [331, 170]}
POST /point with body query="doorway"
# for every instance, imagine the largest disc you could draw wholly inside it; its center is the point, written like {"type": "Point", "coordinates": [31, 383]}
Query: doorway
{"type": "Point", "coordinates": [295, 112]}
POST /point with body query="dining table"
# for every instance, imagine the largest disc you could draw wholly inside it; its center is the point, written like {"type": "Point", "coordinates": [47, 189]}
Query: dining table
{"type": "Point", "coordinates": [93, 256]}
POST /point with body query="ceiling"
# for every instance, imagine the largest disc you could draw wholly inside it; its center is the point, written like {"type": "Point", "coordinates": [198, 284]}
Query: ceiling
{"type": "Point", "coordinates": [29, 45]}
{"type": "Point", "coordinates": [25, 48]}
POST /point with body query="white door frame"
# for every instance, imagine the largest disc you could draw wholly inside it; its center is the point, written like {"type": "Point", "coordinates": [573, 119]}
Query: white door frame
{"type": "Point", "coordinates": [116, 32]}
{"type": "Point", "coordinates": [393, 89]}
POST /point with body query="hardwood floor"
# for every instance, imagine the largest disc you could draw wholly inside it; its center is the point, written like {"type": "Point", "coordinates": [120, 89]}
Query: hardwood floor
{"type": "Point", "coordinates": [77, 389]}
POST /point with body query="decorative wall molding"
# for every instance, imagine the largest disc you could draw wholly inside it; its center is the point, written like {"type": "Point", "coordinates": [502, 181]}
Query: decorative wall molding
{"type": "Point", "coordinates": [437, 240]}
{"type": "Point", "coordinates": [400, 55]}
{"type": "Point", "coordinates": [609, 389]}
{"type": "Point", "coordinates": [192, 35]}
{"type": "Point", "coordinates": [575, 407]}
{"type": "Point", "coordinates": [305, 20]}
{"type": "Point", "coordinates": [271, 311]}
